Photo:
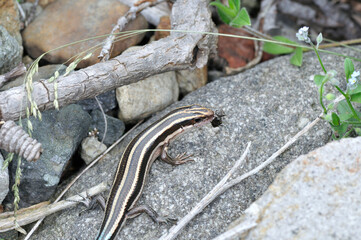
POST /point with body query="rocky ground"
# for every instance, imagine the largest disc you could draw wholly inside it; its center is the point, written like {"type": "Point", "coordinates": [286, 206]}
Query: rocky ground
{"type": "Point", "coordinates": [310, 190]}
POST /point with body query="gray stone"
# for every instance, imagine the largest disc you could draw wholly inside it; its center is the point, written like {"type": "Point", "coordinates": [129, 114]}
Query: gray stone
{"type": "Point", "coordinates": [45, 72]}
{"type": "Point", "coordinates": [60, 133]}
{"type": "Point", "coordinates": [264, 105]}
{"type": "Point", "coordinates": [115, 127]}
{"type": "Point", "coordinates": [141, 99]}
{"type": "Point", "coordinates": [10, 51]}
{"type": "Point", "coordinates": [318, 194]}
{"type": "Point", "coordinates": [4, 180]}
{"type": "Point", "coordinates": [91, 148]}
{"type": "Point", "coordinates": [10, 20]}
{"type": "Point", "coordinates": [107, 100]}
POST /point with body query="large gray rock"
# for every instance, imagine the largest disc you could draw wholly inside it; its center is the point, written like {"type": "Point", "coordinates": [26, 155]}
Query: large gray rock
{"type": "Point", "coordinates": [266, 105]}
{"type": "Point", "coordinates": [4, 180]}
{"type": "Point", "coordinates": [10, 51]}
{"type": "Point", "coordinates": [60, 133]}
{"type": "Point", "coordinates": [316, 196]}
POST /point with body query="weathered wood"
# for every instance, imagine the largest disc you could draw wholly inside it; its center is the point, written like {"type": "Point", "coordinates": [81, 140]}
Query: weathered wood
{"type": "Point", "coordinates": [33, 213]}
{"type": "Point", "coordinates": [152, 14]}
{"type": "Point", "coordinates": [176, 52]}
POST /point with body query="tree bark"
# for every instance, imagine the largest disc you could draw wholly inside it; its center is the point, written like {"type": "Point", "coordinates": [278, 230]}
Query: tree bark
{"type": "Point", "coordinates": [176, 52]}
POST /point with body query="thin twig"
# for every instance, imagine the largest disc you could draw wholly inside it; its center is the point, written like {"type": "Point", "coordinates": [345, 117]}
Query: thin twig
{"type": "Point", "coordinates": [122, 22]}
{"type": "Point", "coordinates": [79, 175]}
{"type": "Point", "coordinates": [105, 120]}
{"type": "Point", "coordinates": [21, 11]}
{"type": "Point", "coordinates": [279, 151]}
{"type": "Point", "coordinates": [258, 48]}
{"type": "Point", "coordinates": [273, 157]}
{"type": "Point", "coordinates": [31, 214]}
{"type": "Point", "coordinates": [174, 231]}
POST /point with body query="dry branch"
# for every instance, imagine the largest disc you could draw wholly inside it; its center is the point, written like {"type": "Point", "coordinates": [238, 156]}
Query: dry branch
{"type": "Point", "coordinates": [121, 24]}
{"type": "Point", "coordinates": [213, 194]}
{"type": "Point", "coordinates": [225, 185]}
{"type": "Point", "coordinates": [31, 214]}
{"type": "Point", "coordinates": [176, 52]}
{"type": "Point", "coordinates": [152, 14]}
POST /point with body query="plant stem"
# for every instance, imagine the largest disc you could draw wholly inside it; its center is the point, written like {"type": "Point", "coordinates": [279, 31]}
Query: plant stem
{"type": "Point", "coordinates": [347, 97]}
{"type": "Point", "coordinates": [321, 101]}
{"type": "Point", "coordinates": [319, 58]}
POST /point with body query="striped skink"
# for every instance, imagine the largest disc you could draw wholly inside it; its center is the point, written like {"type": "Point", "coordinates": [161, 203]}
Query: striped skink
{"type": "Point", "coordinates": [136, 161]}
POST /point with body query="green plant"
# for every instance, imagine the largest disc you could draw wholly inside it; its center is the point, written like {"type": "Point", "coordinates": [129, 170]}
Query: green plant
{"type": "Point", "coordinates": [342, 116]}
{"type": "Point", "coordinates": [232, 15]}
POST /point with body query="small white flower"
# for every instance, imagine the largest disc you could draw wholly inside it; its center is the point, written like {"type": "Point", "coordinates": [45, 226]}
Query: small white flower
{"type": "Point", "coordinates": [355, 74]}
{"type": "Point", "coordinates": [352, 81]}
{"type": "Point", "coordinates": [302, 34]}
{"type": "Point", "coordinates": [304, 29]}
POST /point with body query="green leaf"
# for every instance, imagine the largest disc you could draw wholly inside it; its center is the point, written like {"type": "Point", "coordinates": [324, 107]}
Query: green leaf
{"type": "Point", "coordinates": [356, 97]}
{"type": "Point", "coordinates": [356, 90]}
{"type": "Point", "coordinates": [358, 131]}
{"type": "Point", "coordinates": [296, 59]}
{"type": "Point", "coordinates": [344, 111]}
{"type": "Point", "coordinates": [226, 14]}
{"type": "Point", "coordinates": [349, 68]}
{"type": "Point", "coordinates": [234, 4]}
{"type": "Point", "coordinates": [242, 19]}
{"type": "Point", "coordinates": [274, 48]}
{"type": "Point", "coordinates": [341, 129]}
{"type": "Point", "coordinates": [335, 119]}
{"type": "Point", "coordinates": [318, 79]}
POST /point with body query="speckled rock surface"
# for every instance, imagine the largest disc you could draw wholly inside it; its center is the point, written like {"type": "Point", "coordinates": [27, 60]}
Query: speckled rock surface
{"type": "Point", "coordinates": [60, 133]}
{"type": "Point", "coordinates": [4, 180]}
{"type": "Point", "coordinates": [10, 51]}
{"type": "Point", "coordinates": [266, 105]}
{"type": "Point", "coordinates": [318, 194]}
